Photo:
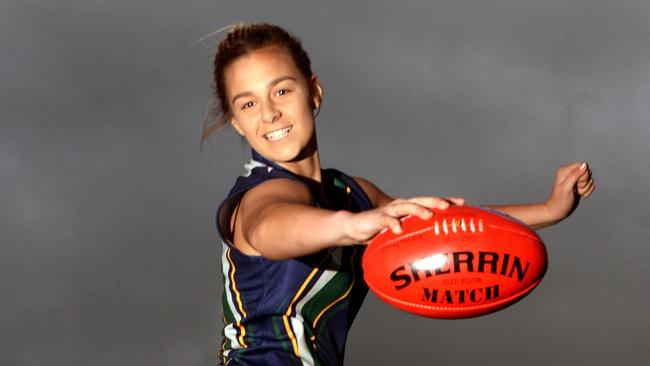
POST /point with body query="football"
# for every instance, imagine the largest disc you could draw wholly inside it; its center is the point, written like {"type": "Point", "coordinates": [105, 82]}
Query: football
{"type": "Point", "coordinates": [463, 262]}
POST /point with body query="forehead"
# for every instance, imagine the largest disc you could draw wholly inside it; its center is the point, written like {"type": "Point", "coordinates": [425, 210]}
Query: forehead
{"type": "Point", "coordinates": [256, 69]}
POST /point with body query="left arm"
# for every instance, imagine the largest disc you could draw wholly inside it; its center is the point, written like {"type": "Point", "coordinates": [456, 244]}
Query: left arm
{"type": "Point", "coordinates": [572, 182]}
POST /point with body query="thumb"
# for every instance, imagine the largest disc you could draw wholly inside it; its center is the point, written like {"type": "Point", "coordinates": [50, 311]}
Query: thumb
{"type": "Point", "coordinates": [572, 178]}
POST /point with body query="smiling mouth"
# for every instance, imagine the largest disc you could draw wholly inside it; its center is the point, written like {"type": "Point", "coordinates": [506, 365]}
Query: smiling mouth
{"type": "Point", "coordinates": [278, 134]}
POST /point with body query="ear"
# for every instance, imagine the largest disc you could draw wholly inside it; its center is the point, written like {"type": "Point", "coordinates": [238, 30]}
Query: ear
{"type": "Point", "coordinates": [317, 91]}
{"type": "Point", "coordinates": [236, 126]}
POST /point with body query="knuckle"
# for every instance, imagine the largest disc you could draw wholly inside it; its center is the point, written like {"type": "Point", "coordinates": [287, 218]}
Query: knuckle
{"type": "Point", "coordinates": [387, 219]}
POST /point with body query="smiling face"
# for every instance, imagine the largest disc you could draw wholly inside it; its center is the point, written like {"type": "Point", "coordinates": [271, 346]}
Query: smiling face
{"type": "Point", "coordinates": [273, 105]}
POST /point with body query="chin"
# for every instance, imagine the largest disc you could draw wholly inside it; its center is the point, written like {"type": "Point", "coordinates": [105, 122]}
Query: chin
{"type": "Point", "coordinates": [289, 152]}
{"type": "Point", "coordinates": [277, 153]}
{"type": "Point", "coordinates": [288, 155]}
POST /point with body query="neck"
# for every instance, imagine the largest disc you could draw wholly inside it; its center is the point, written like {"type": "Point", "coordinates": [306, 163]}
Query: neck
{"type": "Point", "coordinates": [307, 164]}
{"type": "Point", "coordinates": [308, 167]}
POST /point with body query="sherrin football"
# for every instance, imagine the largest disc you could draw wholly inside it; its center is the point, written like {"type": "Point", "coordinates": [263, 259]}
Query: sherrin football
{"type": "Point", "coordinates": [463, 262]}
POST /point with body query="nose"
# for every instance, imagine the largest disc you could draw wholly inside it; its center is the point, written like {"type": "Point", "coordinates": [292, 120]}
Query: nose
{"type": "Point", "coordinates": [270, 112]}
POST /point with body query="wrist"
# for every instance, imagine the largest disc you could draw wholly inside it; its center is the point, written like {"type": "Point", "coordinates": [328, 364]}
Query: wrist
{"type": "Point", "coordinates": [341, 227]}
{"type": "Point", "coordinates": [551, 215]}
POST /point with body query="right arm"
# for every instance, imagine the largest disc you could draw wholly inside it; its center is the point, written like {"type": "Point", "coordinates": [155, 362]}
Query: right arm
{"type": "Point", "coordinates": [277, 219]}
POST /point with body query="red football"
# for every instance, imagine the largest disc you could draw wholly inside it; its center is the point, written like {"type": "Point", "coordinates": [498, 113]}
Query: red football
{"type": "Point", "coordinates": [463, 262]}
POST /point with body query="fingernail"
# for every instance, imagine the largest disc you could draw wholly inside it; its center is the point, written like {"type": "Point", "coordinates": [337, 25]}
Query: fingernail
{"type": "Point", "coordinates": [583, 165]}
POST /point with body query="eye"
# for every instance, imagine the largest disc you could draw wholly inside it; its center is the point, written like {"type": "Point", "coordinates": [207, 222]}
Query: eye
{"type": "Point", "coordinates": [247, 105]}
{"type": "Point", "coordinates": [282, 91]}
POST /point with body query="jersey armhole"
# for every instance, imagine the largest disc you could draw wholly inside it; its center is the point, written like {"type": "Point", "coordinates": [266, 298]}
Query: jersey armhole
{"type": "Point", "coordinates": [228, 208]}
{"type": "Point", "coordinates": [224, 216]}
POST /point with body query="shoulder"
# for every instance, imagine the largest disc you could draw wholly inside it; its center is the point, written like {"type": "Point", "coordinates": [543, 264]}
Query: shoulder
{"type": "Point", "coordinates": [261, 201]}
{"type": "Point", "coordinates": [376, 195]}
{"type": "Point", "coordinates": [257, 196]}
{"type": "Point", "coordinates": [278, 190]}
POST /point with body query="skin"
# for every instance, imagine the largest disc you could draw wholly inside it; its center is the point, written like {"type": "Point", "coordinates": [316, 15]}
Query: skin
{"type": "Point", "coordinates": [278, 218]}
{"type": "Point", "coordinates": [267, 93]}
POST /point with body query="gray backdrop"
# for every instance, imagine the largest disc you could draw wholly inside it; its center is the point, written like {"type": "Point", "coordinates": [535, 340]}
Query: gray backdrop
{"type": "Point", "coordinates": [109, 255]}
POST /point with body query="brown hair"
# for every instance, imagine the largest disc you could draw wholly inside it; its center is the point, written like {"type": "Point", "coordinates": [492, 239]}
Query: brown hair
{"type": "Point", "coordinates": [241, 40]}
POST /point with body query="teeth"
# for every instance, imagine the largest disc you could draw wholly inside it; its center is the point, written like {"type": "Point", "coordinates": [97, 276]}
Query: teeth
{"type": "Point", "coordinates": [277, 134]}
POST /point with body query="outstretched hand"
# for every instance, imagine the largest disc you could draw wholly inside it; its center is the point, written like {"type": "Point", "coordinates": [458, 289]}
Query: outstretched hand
{"type": "Point", "coordinates": [572, 182]}
{"type": "Point", "coordinates": [363, 226]}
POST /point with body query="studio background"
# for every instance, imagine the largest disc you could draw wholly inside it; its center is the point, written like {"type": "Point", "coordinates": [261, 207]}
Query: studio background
{"type": "Point", "coordinates": [109, 254]}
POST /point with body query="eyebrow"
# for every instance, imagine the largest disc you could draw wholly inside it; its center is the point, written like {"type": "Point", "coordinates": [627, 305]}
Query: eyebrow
{"type": "Point", "coordinates": [270, 84]}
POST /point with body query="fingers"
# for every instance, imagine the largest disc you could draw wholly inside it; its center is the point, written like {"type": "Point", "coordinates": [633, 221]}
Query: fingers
{"type": "Point", "coordinates": [575, 179]}
{"type": "Point", "coordinates": [391, 222]}
{"type": "Point", "coordinates": [586, 187]}
{"type": "Point", "coordinates": [437, 202]}
{"type": "Point", "coordinates": [565, 170]}
{"type": "Point", "coordinates": [588, 191]}
{"type": "Point", "coordinates": [458, 201]}
{"type": "Point", "coordinates": [418, 206]}
{"type": "Point", "coordinates": [585, 183]}
{"type": "Point", "coordinates": [571, 176]}
{"type": "Point", "coordinates": [576, 173]}
{"type": "Point", "coordinates": [431, 202]}
{"type": "Point", "coordinates": [415, 206]}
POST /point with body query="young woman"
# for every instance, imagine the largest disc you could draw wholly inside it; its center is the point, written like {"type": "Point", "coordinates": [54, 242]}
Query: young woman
{"type": "Point", "coordinates": [292, 232]}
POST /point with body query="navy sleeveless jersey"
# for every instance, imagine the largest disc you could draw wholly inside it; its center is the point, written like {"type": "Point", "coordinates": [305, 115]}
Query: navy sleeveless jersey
{"type": "Point", "coordinates": [296, 311]}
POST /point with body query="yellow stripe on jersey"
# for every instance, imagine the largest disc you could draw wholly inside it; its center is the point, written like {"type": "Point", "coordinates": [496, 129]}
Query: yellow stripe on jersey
{"type": "Point", "coordinates": [285, 318]}
{"type": "Point", "coordinates": [223, 341]}
{"type": "Point", "coordinates": [223, 351]}
{"type": "Point", "coordinates": [342, 296]}
{"type": "Point", "coordinates": [242, 329]}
